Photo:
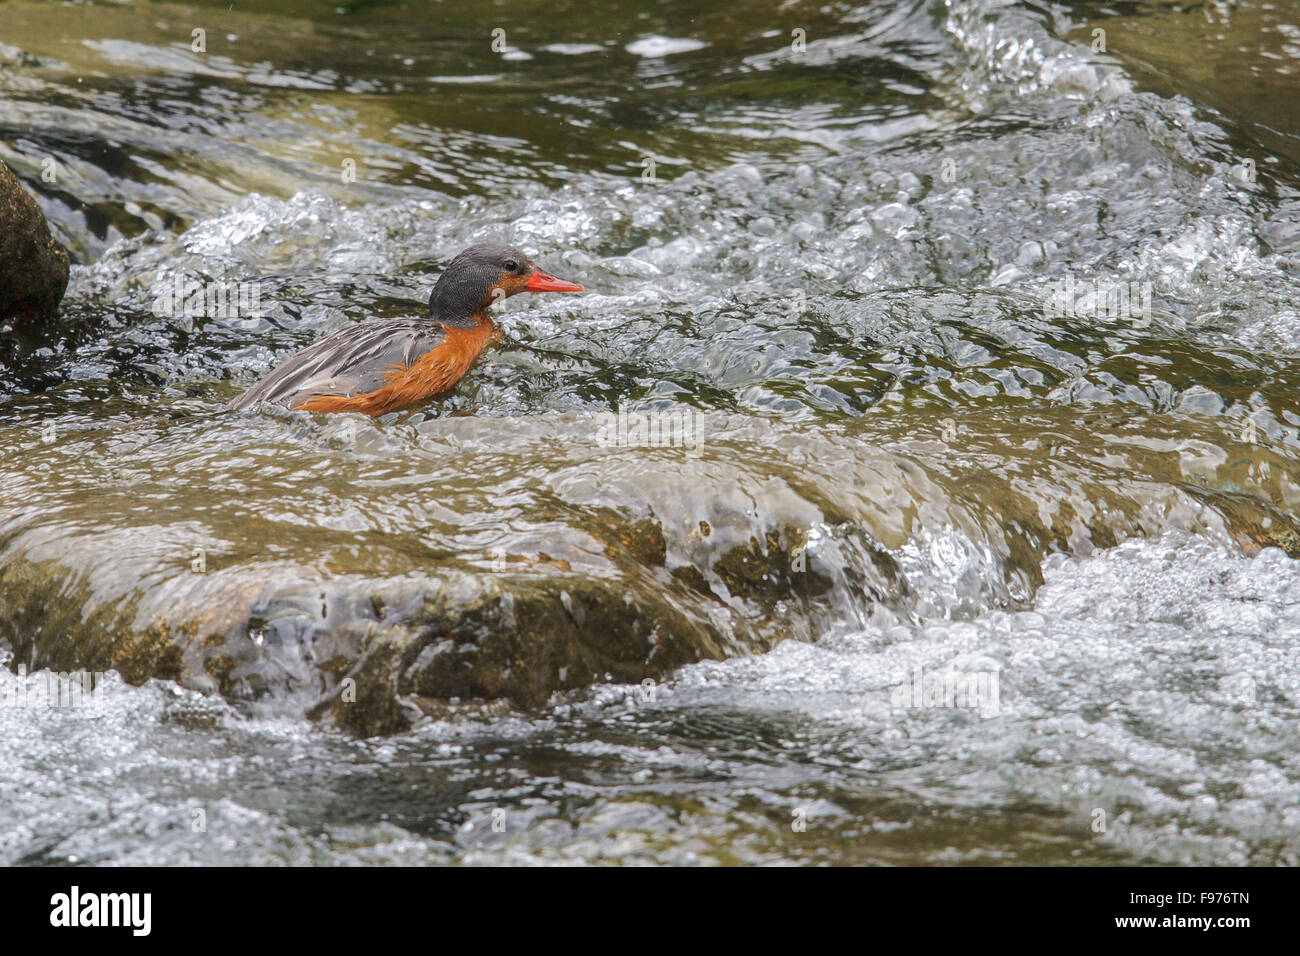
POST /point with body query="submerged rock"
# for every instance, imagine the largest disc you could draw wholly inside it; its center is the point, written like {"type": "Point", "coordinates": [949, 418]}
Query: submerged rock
{"type": "Point", "coordinates": [359, 648]}
{"type": "Point", "coordinates": [291, 611]}
{"type": "Point", "coordinates": [33, 266]}
{"type": "Point", "coordinates": [362, 572]}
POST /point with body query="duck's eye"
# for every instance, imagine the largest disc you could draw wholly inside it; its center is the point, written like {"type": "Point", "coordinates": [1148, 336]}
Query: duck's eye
{"type": "Point", "coordinates": [512, 266]}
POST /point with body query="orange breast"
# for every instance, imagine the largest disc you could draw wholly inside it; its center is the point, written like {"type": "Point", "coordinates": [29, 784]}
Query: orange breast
{"type": "Point", "coordinates": [433, 373]}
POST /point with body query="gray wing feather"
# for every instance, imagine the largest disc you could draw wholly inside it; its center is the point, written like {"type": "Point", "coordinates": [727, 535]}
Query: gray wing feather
{"type": "Point", "coordinates": [349, 362]}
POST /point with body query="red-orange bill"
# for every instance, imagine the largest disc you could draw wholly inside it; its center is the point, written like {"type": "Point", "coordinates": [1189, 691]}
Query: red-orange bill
{"type": "Point", "coordinates": [541, 281]}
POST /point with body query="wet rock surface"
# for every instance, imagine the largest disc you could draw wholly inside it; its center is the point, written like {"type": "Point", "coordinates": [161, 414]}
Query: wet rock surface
{"type": "Point", "coordinates": [33, 265]}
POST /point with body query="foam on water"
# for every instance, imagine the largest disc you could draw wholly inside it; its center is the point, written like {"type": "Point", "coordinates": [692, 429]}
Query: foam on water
{"type": "Point", "coordinates": [1131, 722]}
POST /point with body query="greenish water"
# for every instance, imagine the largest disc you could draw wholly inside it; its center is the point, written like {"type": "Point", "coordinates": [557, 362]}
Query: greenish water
{"type": "Point", "coordinates": [840, 274]}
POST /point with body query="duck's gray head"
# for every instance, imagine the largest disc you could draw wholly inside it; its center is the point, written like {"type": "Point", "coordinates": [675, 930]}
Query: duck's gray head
{"type": "Point", "coordinates": [482, 274]}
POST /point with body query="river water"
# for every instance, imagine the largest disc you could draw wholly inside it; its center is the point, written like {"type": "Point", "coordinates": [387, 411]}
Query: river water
{"type": "Point", "coordinates": [850, 249]}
